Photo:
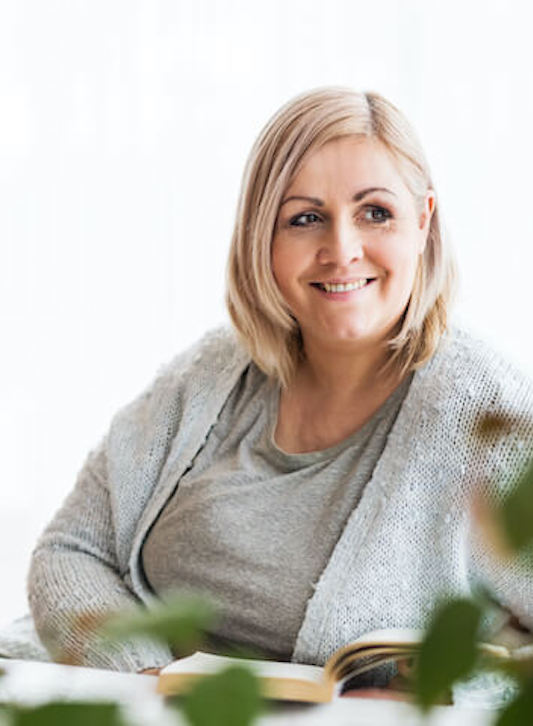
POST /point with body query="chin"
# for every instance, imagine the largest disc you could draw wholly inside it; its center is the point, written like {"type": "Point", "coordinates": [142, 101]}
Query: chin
{"type": "Point", "coordinates": [354, 336]}
{"type": "Point", "coordinates": [348, 334]}
{"type": "Point", "coordinates": [358, 335]}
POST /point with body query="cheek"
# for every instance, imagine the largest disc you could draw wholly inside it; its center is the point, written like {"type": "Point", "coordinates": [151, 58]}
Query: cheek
{"type": "Point", "coordinates": [399, 261]}
{"type": "Point", "coordinates": [286, 262]}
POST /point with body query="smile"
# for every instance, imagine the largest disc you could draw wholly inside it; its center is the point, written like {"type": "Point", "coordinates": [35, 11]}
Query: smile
{"type": "Point", "coordinates": [342, 287]}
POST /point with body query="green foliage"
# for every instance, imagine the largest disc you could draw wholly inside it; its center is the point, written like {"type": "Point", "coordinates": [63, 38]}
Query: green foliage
{"type": "Point", "coordinates": [521, 671]}
{"type": "Point", "coordinates": [520, 711]}
{"type": "Point", "coordinates": [66, 714]}
{"type": "Point", "coordinates": [448, 652]}
{"type": "Point", "coordinates": [179, 621]}
{"type": "Point", "coordinates": [228, 698]}
{"type": "Point", "coordinates": [516, 512]}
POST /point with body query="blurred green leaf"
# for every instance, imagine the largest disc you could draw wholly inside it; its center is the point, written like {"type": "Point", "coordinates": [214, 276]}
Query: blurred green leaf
{"type": "Point", "coordinates": [516, 511]}
{"type": "Point", "coordinates": [520, 711]}
{"type": "Point", "coordinates": [520, 670]}
{"type": "Point", "coordinates": [484, 596]}
{"type": "Point", "coordinates": [448, 651]}
{"type": "Point", "coordinates": [66, 714]}
{"type": "Point", "coordinates": [493, 425]}
{"type": "Point", "coordinates": [179, 621]}
{"type": "Point", "coordinates": [228, 698]}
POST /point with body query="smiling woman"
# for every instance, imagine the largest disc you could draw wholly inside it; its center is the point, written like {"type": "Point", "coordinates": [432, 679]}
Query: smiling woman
{"type": "Point", "coordinates": [361, 151]}
{"type": "Point", "coordinates": [346, 276]}
{"type": "Point", "coordinates": [367, 244]}
{"type": "Point", "coordinates": [309, 470]}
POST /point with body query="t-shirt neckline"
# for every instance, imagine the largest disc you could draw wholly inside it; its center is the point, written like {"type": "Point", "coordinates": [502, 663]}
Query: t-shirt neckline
{"type": "Point", "coordinates": [331, 451]}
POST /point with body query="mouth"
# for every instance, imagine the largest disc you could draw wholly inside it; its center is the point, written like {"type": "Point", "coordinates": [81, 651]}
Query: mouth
{"type": "Point", "coordinates": [343, 287]}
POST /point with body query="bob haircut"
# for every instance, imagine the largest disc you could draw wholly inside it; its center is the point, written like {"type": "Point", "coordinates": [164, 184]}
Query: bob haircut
{"type": "Point", "coordinates": [257, 309]}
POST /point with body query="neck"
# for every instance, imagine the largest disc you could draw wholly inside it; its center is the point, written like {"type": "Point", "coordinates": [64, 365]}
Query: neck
{"type": "Point", "coordinates": [337, 373]}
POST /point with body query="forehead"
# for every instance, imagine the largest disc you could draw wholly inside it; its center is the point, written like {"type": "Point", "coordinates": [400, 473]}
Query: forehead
{"type": "Point", "coordinates": [347, 164]}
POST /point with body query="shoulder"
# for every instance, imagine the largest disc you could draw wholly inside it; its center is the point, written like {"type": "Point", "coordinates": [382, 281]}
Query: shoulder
{"type": "Point", "coordinates": [218, 352]}
{"type": "Point", "coordinates": [467, 367]}
{"type": "Point", "coordinates": [475, 405]}
{"type": "Point", "coordinates": [468, 416]}
{"type": "Point", "coordinates": [213, 362]}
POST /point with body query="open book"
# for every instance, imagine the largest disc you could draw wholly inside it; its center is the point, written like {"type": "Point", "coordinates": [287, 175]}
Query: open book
{"type": "Point", "coordinates": [298, 682]}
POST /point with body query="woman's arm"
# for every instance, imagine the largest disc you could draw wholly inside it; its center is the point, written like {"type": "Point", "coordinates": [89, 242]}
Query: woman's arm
{"type": "Point", "coordinates": [74, 579]}
{"type": "Point", "coordinates": [508, 577]}
{"type": "Point", "coordinates": [79, 569]}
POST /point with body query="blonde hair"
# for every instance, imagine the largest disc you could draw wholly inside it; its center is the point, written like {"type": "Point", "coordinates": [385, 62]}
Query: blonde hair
{"type": "Point", "coordinates": [305, 123]}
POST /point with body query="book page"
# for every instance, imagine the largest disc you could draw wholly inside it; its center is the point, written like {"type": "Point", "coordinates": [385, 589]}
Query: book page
{"type": "Point", "coordinates": [390, 636]}
{"type": "Point", "coordinates": [389, 643]}
{"type": "Point", "coordinates": [380, 646]}
{"type": "Point", "coordinates": [210, 663]}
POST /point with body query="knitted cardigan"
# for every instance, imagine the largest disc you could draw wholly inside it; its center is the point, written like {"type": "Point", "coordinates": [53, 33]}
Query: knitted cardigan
{"type": "Point", "coordinates": [407, 542]}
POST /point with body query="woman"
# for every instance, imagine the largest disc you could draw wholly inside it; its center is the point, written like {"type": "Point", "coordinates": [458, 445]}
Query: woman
{"type": "Point", "coordinates": [311, 473]}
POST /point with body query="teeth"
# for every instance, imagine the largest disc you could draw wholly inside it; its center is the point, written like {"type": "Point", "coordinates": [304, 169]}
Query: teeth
{"type": "Point", "coordinates": [344, 288]}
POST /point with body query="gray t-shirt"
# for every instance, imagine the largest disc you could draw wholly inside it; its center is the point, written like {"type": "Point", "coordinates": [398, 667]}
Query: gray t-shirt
{"type": "Point", "coordinates": [251, 526]}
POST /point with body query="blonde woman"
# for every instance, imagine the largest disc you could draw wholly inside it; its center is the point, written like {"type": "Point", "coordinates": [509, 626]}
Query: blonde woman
{"type": "Point", "coordinates": [309, 469]}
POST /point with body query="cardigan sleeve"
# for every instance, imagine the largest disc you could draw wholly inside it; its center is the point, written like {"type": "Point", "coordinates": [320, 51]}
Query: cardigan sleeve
{"type": "Point", "coordinates": [510, 585]}
{"type": "Point", "coordinates": [508, 579]}
{"type": "Point", "coordinates": [74, 579]}
{"type": "Point", "coordinates": [80, 568]}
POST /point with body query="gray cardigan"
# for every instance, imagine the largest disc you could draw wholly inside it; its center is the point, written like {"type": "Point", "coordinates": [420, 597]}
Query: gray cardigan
{"type": "Point", "coordinates": [408, 541]}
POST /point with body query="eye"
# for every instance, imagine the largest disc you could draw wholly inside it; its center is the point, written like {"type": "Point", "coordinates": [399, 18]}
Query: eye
{"type": "Point", "coordinates": [295, 223]}
{"type": "Point", "coordinates": [378, 215]}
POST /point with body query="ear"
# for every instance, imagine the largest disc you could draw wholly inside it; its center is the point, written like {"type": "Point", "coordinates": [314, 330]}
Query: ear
{"type": "Point", "coordinates": [425, 217]}
{"type": "Point", "coordinates": [428, 209]}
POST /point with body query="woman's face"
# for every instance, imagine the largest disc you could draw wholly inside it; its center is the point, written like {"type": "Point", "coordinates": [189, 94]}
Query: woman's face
{"type": "Point", "coordinates": [346, 244]}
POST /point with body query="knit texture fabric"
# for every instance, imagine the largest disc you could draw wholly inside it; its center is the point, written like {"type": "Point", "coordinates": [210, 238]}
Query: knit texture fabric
{"type": "Point", "coordinates": [408, 541]}
{"type": "Point", "coordinates": [251, 527]}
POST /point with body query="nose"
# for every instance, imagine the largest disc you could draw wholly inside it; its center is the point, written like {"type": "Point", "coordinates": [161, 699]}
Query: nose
{"type": "Point", "coordinates": [341, 244]}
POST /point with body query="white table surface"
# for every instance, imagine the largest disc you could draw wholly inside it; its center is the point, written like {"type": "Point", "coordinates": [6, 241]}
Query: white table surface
{"type": "Point", "coordinates": [33, 683]}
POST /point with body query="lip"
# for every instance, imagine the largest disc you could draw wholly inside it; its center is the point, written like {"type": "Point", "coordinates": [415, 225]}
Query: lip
{"type": "Point", "coordinates": [342, 280]}
{"type": "Point", "coordinates": [346, 294]}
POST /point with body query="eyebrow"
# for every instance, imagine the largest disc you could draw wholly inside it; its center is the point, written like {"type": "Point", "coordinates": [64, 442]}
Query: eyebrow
{"type": "Point", "coordinates": [356, 197]}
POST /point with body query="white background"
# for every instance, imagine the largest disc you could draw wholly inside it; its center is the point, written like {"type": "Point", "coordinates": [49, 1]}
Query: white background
{"type": "Point", "coordinates": [124, 128]}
